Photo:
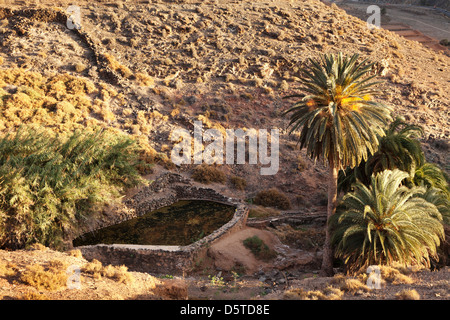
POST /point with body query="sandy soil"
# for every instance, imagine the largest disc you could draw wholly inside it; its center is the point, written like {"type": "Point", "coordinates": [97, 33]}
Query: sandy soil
{"type": "Point", "coordinates": [219, 278]}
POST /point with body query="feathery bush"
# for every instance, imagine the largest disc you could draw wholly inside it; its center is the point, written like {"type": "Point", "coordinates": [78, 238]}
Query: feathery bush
{"type": "Point", "coordinates": [49, 185]}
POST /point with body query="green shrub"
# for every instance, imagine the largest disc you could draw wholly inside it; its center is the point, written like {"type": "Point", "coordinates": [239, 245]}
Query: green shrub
{"type": "Point", "coordinates": [49, 185]}
{"type": "Point", "coordinates": [259, 248]}
{"type": "Point", "coordinates": [272, 198]}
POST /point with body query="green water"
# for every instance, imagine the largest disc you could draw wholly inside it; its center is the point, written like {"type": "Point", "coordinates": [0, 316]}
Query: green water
{"type": "Point", "coordinates": [181, 223]}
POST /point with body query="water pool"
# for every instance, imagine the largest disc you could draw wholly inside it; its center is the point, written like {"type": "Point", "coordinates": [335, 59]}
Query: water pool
{"type": "Point", "coordinates": [180, 224]}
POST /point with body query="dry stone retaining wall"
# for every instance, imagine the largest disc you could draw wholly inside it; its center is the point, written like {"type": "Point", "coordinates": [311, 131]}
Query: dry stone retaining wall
{"type": "Point", "coordinates": [165, 191]}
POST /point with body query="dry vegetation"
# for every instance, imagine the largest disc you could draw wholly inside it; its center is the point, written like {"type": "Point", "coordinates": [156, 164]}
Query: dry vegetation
{"type": "Point", "coordinates": [272, 198]}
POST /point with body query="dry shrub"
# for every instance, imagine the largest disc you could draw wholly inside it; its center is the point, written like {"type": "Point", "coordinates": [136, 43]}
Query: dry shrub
{"type": "Point", "coordinates": [238, 182]}
{"type": "Point", "coordinates": [208, 173]}
{"type": "Point", "coordinates": [32, 295]}
{"type": "Point", "coordinates": [8, 269]}
{"type": "Point", "coordinates": [329, 293]}
{"type": "Point", "coordinates": [407, 294]}
{"type": "Point", "coordinates": [353, 286]}
{"type": "Point", "coordinates": [301, 164]}
{"type": "Point", "coordinates": [272, 198]}
{"type": "Point", "coordinates": [394, 276]}
{"type": "Point", "coordinates": [117, 66]}
{"type": "Point", "coordinates": [93, 268]}
{"type": "Point", "coordinates": [79, 67]}
{"type": "Point", "coordinates": [40, 278]}
{"type": "Point", "coordinates": [350, 285]}
{"type": "Point", "coordinates": [117, 273]}
{"type": "Point", "coordinates": [144, 79]}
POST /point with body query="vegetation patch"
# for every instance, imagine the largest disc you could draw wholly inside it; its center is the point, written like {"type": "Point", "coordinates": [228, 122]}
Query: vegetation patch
{"type": "Point", "coordinates": [329, 293]}
{"type": "Point", "coordinates": [259, 248]}
{"type": "Point", "coordinates": [117, 273]}
{"type": "Point", "coordinates": [51, 278]}
{"type": "Point", "coordinates": [262, 212]}
{"type": "Point", "coordinates": [238, 182]}
{"type": "Point", "coordinates": [208, 173]}
{"type": "Point", "coordinates": [272, 198]}
{"type": "Point", "coordinates": [305, 237]}
{"type": "Point", "coordinates": [51, 185]}
{"type": "Point", "coordinates": [407, 294]}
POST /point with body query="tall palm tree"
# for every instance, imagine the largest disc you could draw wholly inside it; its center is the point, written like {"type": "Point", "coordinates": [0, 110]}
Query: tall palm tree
{"type": "Point", "coordinates": [338, 121]}
{"type": "Point", "coordinates": [386, 222]}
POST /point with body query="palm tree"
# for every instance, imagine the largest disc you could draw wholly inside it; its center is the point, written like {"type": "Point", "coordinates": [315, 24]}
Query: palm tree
{"type": "Point", "coordinates": [386, 222]}
{"type": "Point", "coordinates": [431, 176]}
{"type": "Point", "coordinates": [399, 148]}
{"type": "Point", "coordinates": [339, 123]}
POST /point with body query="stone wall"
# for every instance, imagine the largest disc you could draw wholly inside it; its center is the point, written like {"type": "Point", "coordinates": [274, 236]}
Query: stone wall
{"type": "Point", "coordinates": [165, 191]}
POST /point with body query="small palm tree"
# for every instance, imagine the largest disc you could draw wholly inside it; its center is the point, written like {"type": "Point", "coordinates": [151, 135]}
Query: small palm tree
{"type": "Point", "coordinates": [431, 176]}
{"type": "Point", "coordinates": [441, 200]}
{"type": "Point", "coordinates": [386, 222]}
{"type": "Point", "coordinates": [338, 121]}
{"type": "Point", "coordinates": [399, 148]}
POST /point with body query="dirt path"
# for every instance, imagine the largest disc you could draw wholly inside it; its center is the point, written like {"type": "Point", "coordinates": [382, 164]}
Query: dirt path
{"type": "Point", "coordinates": [421, 24]}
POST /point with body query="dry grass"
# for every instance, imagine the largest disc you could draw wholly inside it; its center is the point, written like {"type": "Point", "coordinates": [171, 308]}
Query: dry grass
{"type": "Point", "coordinates": [40, 278]}
{"type": "Point", "coordinates": [117, 66]}
{"type": "Point", "coordinates": [329, 293]}
{"type": "Point", "coordinates": [394, 275]}
{"type": "Point", "coordinates": [59, 102]}
{"type": "Point", "coordinates": [144, 79]}
{"type": "Point", "coordinates": [350, 285]}
{"type": "Point", "coordinates": [208, 173]}
{"type": "Point", "coordinates": [175, 289]}
{"type": "Point", "coordinates": [8, 269]}
{"type": "Point", "coordinates": [32, 295]}
{"type": "Point", "coordinates": [262, 212]}
{"type": "Point", "coordinates": [117, 273]}
{"type": "Point", "coordinates": [62, 103]}
{"type": "Point", "coordinates": [407, 294]}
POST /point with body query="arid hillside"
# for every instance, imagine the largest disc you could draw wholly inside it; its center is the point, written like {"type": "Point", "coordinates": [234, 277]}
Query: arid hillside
{"type": "Point", "coordinates": [148, 67]}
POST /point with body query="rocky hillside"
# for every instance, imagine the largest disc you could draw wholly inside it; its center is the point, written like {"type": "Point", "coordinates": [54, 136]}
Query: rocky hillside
{"type": "Point", "coordinates": [149, 67]}
{"type": "Point", "coordinates": [159, 65]}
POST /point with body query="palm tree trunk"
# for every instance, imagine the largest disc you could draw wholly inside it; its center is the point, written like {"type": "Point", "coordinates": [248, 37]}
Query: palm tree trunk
{"type": "Point", "coordinates": [327, 259]}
